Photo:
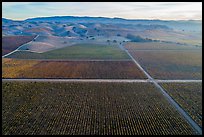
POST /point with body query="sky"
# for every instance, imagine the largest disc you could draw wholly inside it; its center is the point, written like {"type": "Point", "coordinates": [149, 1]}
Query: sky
{"type": "Point", "coordinates": [127, 10]}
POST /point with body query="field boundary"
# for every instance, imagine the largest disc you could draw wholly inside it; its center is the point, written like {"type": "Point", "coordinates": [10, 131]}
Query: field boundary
{"type": "Point", "coordinates": [177, 81]}
{"type": "Point", "coordinates": [163, 49]}
{"type": "Point", "coordinates": [75, 59]}
{"type": "Point", "coordinates": [79, 80]}
{"type": "Point", "coordinates": [99, 80]}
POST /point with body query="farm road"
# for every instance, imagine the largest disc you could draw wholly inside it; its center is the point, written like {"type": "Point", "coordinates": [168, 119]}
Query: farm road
{"type": "Point", "coordinates": [78, 59]}
{"type": "Point", "coordinates": [169, 98]}
{"type": "Point", "coordinates": [175, 81]}
{"type": "Point", "coordinates": [80, 80]}
{"type": "Point", "coordinates": [99, 80]}
{"type": "Point", "coordinates": [20, 47]}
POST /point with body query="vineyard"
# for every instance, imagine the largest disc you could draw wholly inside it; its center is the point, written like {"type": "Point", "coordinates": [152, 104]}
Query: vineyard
{"type": "Point", "coordinates": [158, 46]}
{"type": "Point", "coordinates": [78, 51]}
{"type": "Point", "coordinates": [88, 109]}
{"type": "Point", "coordinates": [10, 43]}
{"type": "Point", "coordinates": [12, 68]}
{"type": "Point", "coordinates": [181, 64]}
{"type": "Point", "coordinates": [94, 74]}
{"type": "Point", "coordinates": [189, 96]}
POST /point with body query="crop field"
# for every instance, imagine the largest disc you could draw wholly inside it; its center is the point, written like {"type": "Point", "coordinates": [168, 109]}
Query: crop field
{"type": "Point", "coordinates": [10, 43]}
{"type": "Point", "coordinates": [181, 64]}
{"type": "Point", "coordinates": [88, 109]}
{"type": "Point", "coordinates": [12, 68]}
{"type": "Point", "coordinates": [189, 96]}
{"type": "Point", "coordinates": [78, 51]}
{"type": "Point", "coordinates": [159, 46]}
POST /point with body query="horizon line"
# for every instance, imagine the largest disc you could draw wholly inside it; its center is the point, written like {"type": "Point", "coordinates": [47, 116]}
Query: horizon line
{"type": "Point", "coordinates": [101, 17]}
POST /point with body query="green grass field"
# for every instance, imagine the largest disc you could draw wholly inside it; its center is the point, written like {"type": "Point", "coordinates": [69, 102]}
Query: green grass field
{"type": "Point", "coordinates": [78, 51]}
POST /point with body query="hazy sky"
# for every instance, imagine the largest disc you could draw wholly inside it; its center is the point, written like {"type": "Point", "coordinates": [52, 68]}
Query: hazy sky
{"type": "Point", "coordinates": [128, 10]}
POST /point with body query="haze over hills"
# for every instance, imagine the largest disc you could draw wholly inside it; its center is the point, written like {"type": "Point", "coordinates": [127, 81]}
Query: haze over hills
{"type": "Point", "coordinates": [185, 32]}
{"type": "Point", "coordinates": [192, 25]}
{"type": "Point", "coordinates": [102, 68]}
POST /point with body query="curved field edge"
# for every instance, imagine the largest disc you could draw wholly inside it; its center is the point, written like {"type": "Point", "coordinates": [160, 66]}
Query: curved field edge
{"type": "Point", "coordinates": [188, 96]}
{"type": "Point", "coordinates": [13, 68]}
{"type": "Point", "coordinates": [78, 51]}
{"type": "Point", "coordinates": [87, 109]}
{"type": "Point", "coordinates": [10, 43]}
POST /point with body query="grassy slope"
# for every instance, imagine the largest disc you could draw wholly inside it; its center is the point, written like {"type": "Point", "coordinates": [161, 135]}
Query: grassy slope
{"type": "Point", "coordinates": [79, 51]}
{"type": "Point", "coordinates": [48, 43]}
{"type": "Point", "coordinates": [174, 36]}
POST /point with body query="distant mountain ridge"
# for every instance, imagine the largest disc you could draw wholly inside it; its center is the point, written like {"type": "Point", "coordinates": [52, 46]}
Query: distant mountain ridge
{"type": "Point", "coordinates": [191, 25]}
{"type": "Point", "coordinates": [6, 20]}
{"type": "Point", "coordinates": [115, 19]}
{"type": "Point", "coordinates": [101, 28]}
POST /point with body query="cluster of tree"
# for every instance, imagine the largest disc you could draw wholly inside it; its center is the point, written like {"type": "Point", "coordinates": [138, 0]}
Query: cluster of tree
{"type": "Point", "coordinates": [114, 41]}
{"type": "Point", "coordinates": [137, 38]}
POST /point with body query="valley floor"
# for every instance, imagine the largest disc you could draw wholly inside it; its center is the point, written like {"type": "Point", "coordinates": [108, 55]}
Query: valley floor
{"type": "Point", "coordinates": [110, 97]}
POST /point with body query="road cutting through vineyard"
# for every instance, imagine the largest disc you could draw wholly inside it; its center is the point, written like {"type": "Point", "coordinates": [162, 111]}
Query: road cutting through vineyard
{"type": "Point", "coordinates": [169, 98]}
